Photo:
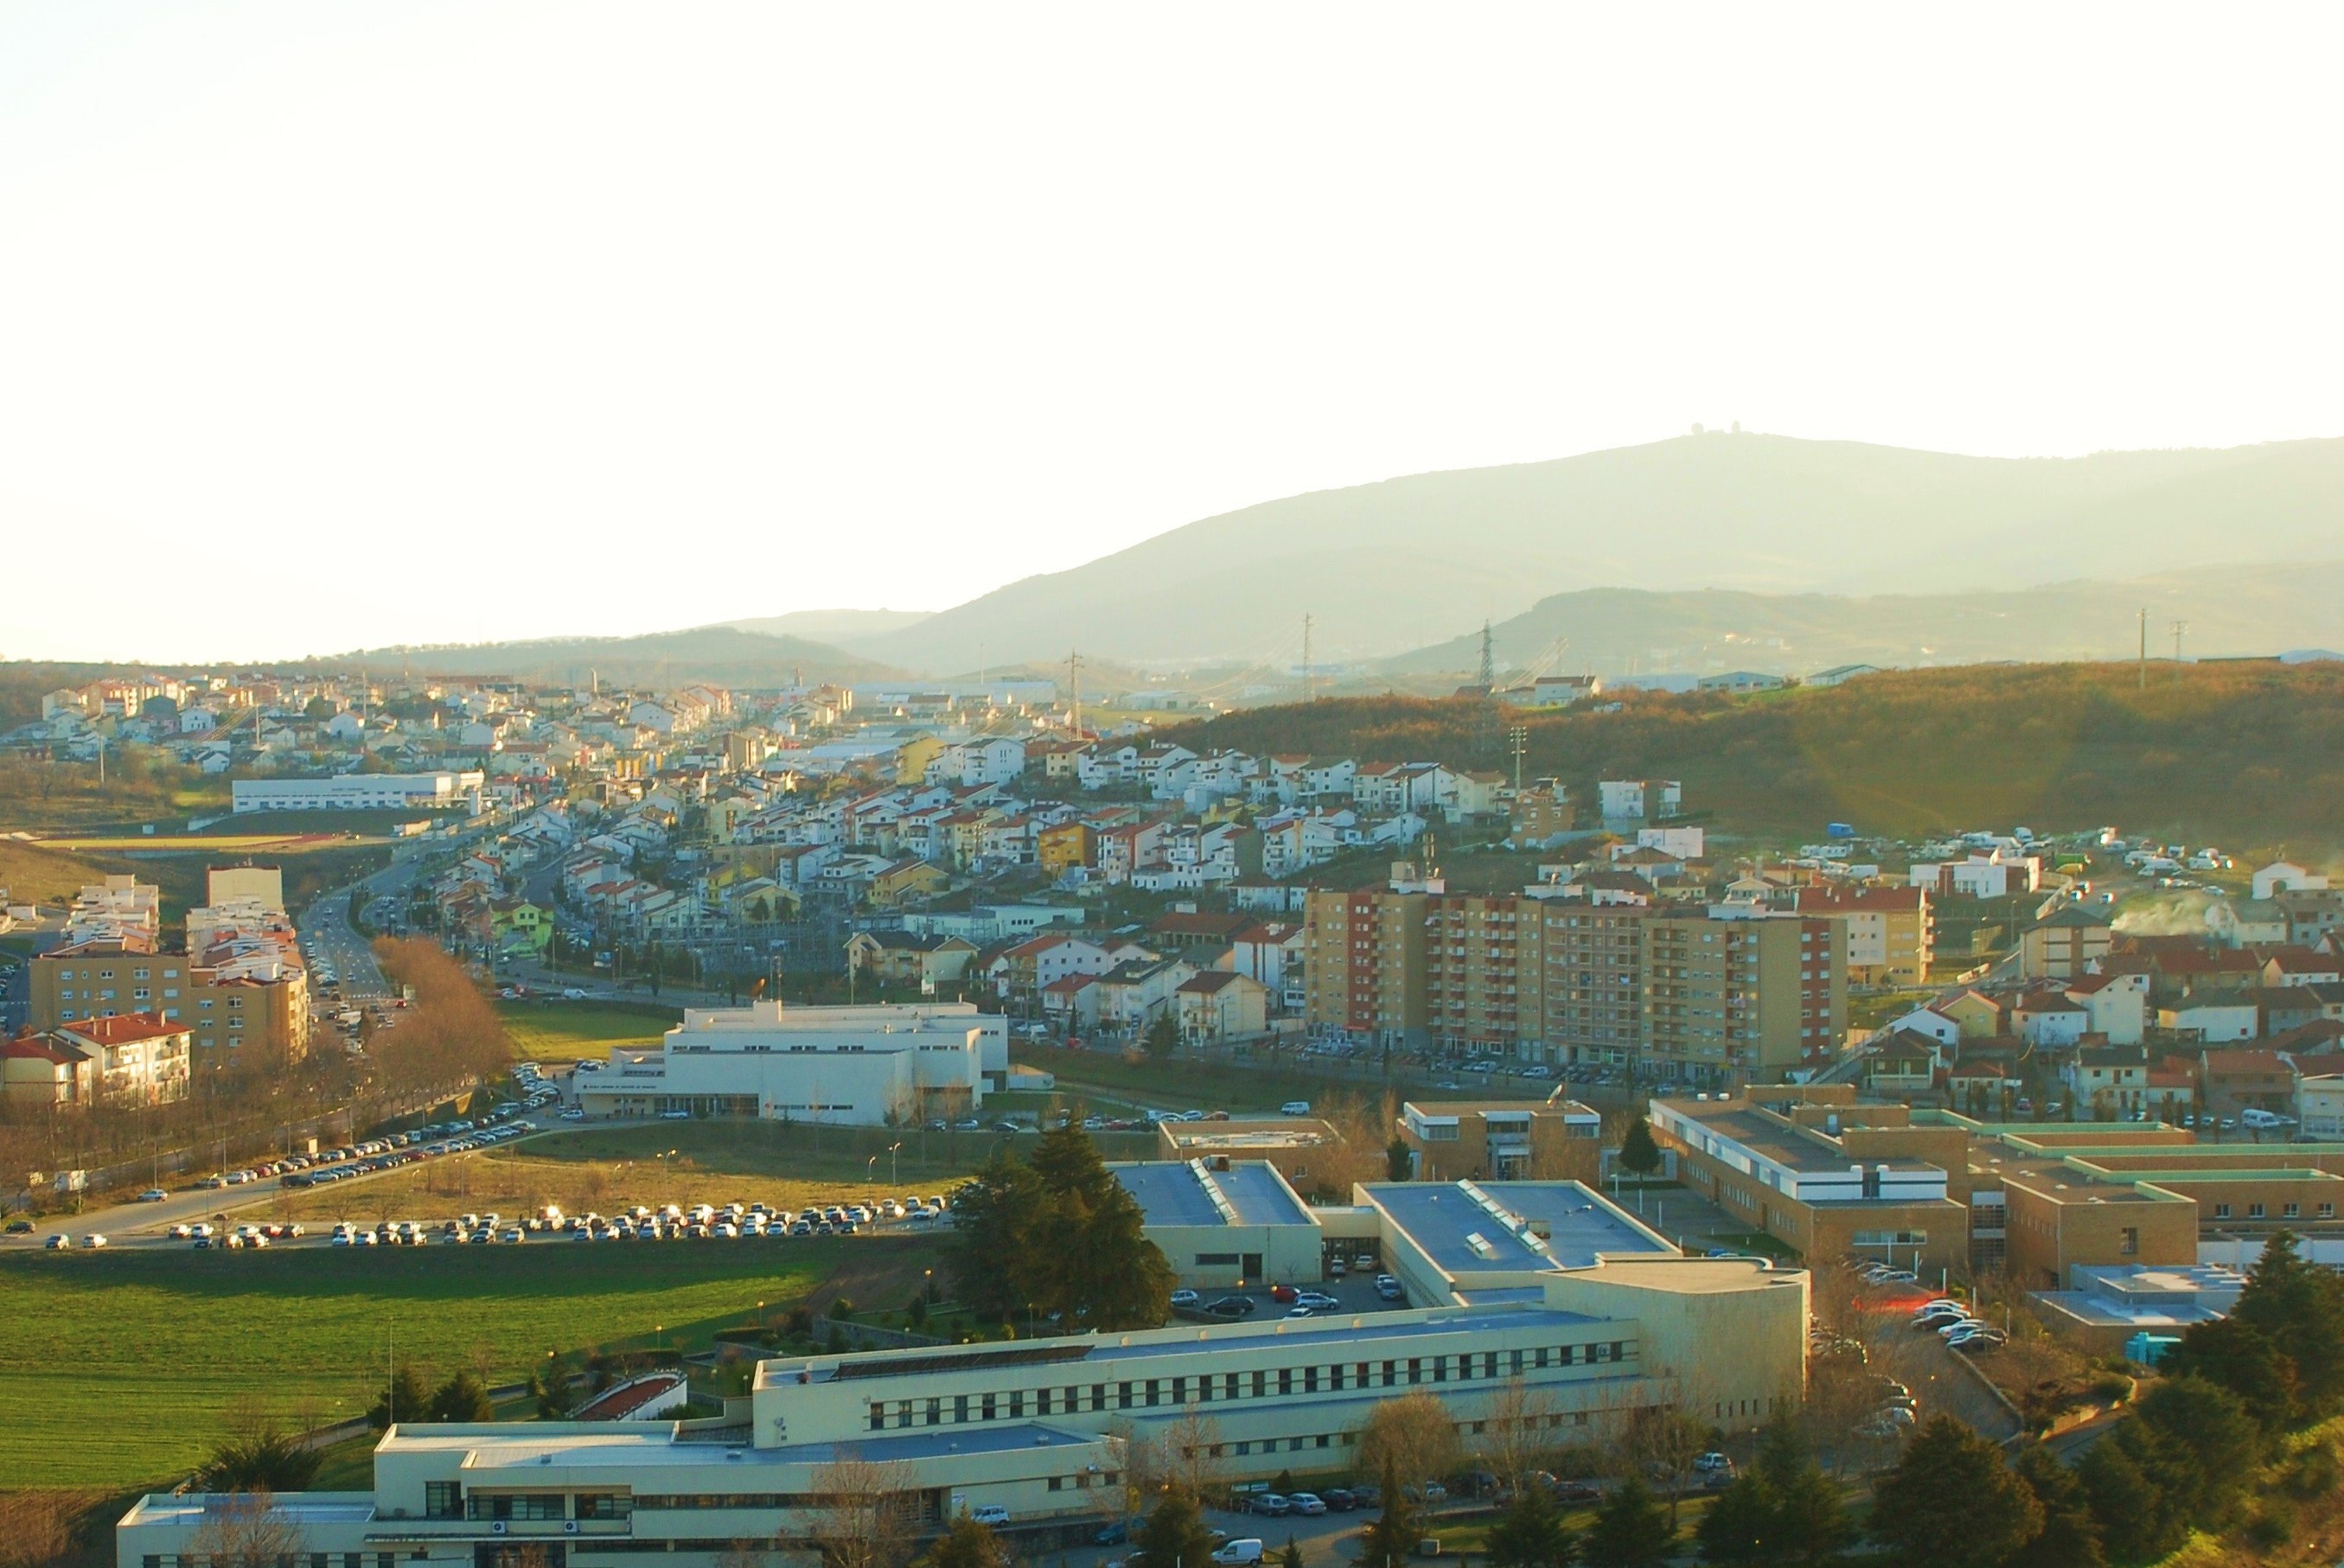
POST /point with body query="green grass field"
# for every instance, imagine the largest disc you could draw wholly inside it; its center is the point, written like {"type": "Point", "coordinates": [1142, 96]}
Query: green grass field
{"type": "Point", "coordinates": [566, 1030]}
{"type": "Point", "coordinates": [119, 1369]}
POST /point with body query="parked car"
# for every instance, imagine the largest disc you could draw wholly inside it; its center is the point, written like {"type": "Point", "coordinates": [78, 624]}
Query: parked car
{"type": "Point", "coordinates": [1284, 1295]}
{"type": "Point", "coordinates": [60, 1243]}
{"type": "Point", "coordinates": [153, 1195]}
{"type": "Point", "coordinates": [1184, 1298]}
{"type": "Point", "coordinates": [1316, 1301]}
{"type": "Point", "coordinates": [992, 1514]}
{"type": "Point", "coordinates": [1114, 1534]}
{"type": "Point", "coordinates": [1271, 1503]}
{"type": "Point", "coordinates": [1305, 1503]}
{"type": "Point", "coordinates": [1234, 1307]}
{"type": "Point", "coordinates": [1243, 1552]}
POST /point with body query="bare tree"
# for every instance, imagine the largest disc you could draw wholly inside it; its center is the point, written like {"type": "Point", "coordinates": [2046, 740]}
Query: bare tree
{"type": "Point", "coordinates": [244, 1530]}
{"type": "Point", "coordinates": [745, 1554]}
{"type": "Point", "coordinates": [1515, 1438]}
{"type": "Point", "coordinates": [36, 1528]}
{"type": "Point", "coordinates": [1842, 1393]}
{"type": "Point", "coordinates": [1413, 1434]}
{"type": "Point", "coordinates": [864, 1517]}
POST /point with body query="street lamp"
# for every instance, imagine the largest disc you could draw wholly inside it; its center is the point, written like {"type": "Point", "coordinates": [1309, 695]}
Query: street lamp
{"type": "Point", "coordinates": [893, 1150]}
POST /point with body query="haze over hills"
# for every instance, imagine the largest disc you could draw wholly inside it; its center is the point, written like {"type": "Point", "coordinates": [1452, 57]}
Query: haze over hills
{"type": "Point", "coordinates": [2228, 611]}
{"type": "Point", "coordinates": [722, 654]}
{"type": "Point", "coordinates": [1388, 567]}
{"type": "Point", "coordinates": [831, 625]}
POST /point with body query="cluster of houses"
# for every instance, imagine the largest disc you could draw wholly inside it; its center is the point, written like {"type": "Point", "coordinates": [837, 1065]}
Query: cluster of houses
{"type": "Point", "coordinates": [2123, 1025]}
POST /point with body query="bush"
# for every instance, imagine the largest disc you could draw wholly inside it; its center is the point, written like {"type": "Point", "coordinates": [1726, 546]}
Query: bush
{"type": "Point", "coordinates": [2113, 1387]}
{"type": "Point", "coordinates": [2313, 1472]}
{"type": "Point", "coordinates": [2274, 1525]}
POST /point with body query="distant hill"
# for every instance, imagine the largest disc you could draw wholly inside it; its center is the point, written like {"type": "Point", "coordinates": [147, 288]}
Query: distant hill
{"type": "Point", "coordinates": [840, 627]}
{"type": "Point", "coordinates": [1387, 566]}
{"type": "Point", "coordinates": [2248, 754]}
{"type": "Point", "coordinates": [720, 654]}
{"type": "Point", "coordinates": [2230, 609]}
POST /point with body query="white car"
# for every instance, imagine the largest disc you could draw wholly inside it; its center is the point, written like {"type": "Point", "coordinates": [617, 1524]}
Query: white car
{"type": "Point", "coordinates": [990, 1513]}
{"type": "Point", "coordinates": [1316, 1301]}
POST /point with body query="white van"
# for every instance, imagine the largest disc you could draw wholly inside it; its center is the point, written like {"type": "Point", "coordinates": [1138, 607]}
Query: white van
{"type": "Point", "coordinates": [1295, 1108]}
{"type": "Point", "coordinates": [2256, 1117]}
{"type": "Point", "coordinates": [1244, 1554]}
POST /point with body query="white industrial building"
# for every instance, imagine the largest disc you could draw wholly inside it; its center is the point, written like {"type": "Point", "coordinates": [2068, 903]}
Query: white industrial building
{"type": "Point", "coordinates": [853, 1066]}
{"type": "Point", "coordinates": [1544, 1300]}
{"type": "Point", "coordinates": [359, 792]}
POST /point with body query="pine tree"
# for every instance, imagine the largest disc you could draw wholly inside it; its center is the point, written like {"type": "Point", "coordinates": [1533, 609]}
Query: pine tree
{"type": "Point", "coordinates": [1176, 1534]}
{"type": "Point", "coordinates": [406, 1397]}
{"type": "Point", "coordinates": [1530, 1533]}
{"type": "Point", "coordinates": [1740, 1525]}
{"type": "Point", "coordinates": [1631, 1530]}
{"type": "Point", "coordinates": [462, 1398]}
{"type": "Point", "coordinates": [1400, 1162]}
{"type": "Point", "coordinates": [2139, 1489]}
{"type": "Point", "coordinates": [2068, 1538]}
{"type": "Point", "coordinates": [1951, 1500]}
{"type": "Point", "coordinates": [1392, 1540]}
{"type": "Point", "coordinates": [1638, 1153]}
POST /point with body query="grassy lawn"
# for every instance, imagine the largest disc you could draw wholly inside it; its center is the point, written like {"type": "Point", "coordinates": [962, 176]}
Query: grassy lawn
{"type": "Point", "coordinates": [1182, 1084]}
{"type": "Point", "coordinates": [607, 1169]}
{"type": "Point", "coordinates": [139, 1356]}
{"type": "Point", "coordinates": [566, 1030]}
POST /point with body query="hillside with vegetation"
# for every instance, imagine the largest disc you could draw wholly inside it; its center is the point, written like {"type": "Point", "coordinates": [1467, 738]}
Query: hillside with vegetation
{"type": "Point", "coordinates": [2230, 610]}
{"type": "Point", "coordinates": [2250, 753]}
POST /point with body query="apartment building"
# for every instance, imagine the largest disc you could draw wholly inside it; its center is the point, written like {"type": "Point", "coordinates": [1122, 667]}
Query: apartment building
{"type": "Point", "coordinates": [254, 1004]}
{"type": "Point", "coordinates": [1364, 965]}
{"type": "Point", "coordinates": [124, 1059]}
{"type": "Point", "coordinates": [1593, 992]}
{"type": "Point", "coordinates": [1746, 994]}
{"type": "Point", "coordinates": [2064, 944]}
{"type": "Point", "coordinates": [1891, 932]}
{"type": "Point", "coordinates": [1484, 974]}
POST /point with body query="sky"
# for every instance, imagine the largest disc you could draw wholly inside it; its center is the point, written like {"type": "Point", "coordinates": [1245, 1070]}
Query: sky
{"type": "Point", "coordinates": [325, 327]}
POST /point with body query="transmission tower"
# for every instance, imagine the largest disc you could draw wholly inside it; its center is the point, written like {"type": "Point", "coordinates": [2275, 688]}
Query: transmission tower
{"type": "Point", "coordinates": [1489, 661]}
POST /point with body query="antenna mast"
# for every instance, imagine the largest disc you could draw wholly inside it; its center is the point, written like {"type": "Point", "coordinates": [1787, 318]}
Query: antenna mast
{"type": "Point", "coordinates": [1074, 679]}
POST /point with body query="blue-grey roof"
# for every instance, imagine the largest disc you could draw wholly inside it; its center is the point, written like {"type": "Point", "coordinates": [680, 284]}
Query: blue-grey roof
{"type": "Point", "coordinates": [1259, 1195]}
{"type": "Point", "coordinates": [1464, 1236]}
{"type": "Point", "coordinates": [1169, 1194]}
{"type": "Point", "coordinates": [1249, 1192]}
{"type": "Point", "coordinates": [1578, 1223]}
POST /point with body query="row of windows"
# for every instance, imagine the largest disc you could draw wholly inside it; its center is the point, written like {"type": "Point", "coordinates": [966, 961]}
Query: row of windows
{"type": "Point", "coordinates": [1226, 1387]}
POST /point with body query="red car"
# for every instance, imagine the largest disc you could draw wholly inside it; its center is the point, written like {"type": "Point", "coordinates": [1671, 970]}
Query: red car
{"type": "Point", "coordinates": [1283, 1295]}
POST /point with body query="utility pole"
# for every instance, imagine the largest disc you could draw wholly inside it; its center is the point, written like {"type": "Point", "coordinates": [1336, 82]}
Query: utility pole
{"type": "Point", "coordinates": [1075, 680]}
{"type": "Point", "coordinates": [2178, 628]}
{"type": "Point", "coordinates": [1519, 735]}
{"type": "Point", "coordinates": [2144, 647]}
{"type": "Point", "coordinates": [1309, 676]}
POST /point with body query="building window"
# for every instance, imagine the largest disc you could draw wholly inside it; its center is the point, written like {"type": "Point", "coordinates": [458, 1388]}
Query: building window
{"type": "Point", "coordinates": [2128, 1241]}
{"type": "Point", "coordinates": [2254, 1211]}
{"type": "Point", "coordinates": [2221, 1211]}
{"type": "Point", "coordinates": [443, 1500]}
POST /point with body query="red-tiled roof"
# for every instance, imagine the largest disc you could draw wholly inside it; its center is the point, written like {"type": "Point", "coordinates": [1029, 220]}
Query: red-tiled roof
{"type": "Point", "coordinates": [124, 1028]}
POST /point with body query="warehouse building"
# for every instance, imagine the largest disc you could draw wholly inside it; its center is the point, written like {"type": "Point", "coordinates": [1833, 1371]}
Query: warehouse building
{"type": "Point", "coordinates": [359, 792]}
{"type": "Point", "coordinates": [864, 1066]}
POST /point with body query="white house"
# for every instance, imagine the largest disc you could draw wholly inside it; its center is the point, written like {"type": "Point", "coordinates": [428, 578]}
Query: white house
{"type": "Point", "coordinates": [2285, 877]}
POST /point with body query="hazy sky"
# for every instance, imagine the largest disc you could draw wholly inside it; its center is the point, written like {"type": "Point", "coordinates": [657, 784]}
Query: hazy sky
{"type": "Point", "coordinates": [324, 327]}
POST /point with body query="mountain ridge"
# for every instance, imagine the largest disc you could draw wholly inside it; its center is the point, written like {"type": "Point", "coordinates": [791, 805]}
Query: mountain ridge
{"type": "Point", "coordinates": [1390, 565]}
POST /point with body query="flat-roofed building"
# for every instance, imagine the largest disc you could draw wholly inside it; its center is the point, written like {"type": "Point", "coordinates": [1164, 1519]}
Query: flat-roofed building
{"type": "Point", "coordinates": [1552, 1140]}
{"type": "Point", "coordinates": [1806, 1187]}
{"type": "Point", "coordinates": [359, 792]}
{"type": "Point", "coordinates": [856, 1066]}
{"type": "Point", "coordinates": [1224, 1223]}
{"type": "Point", "coordinates": [1307, 1151]}
{"type": "Point", "coordinates": [1741, 995]}
{"type": "Point", "coordinates": [1540, 1286]}
{"type": "Point", "coordinates": [2107, 1306]}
